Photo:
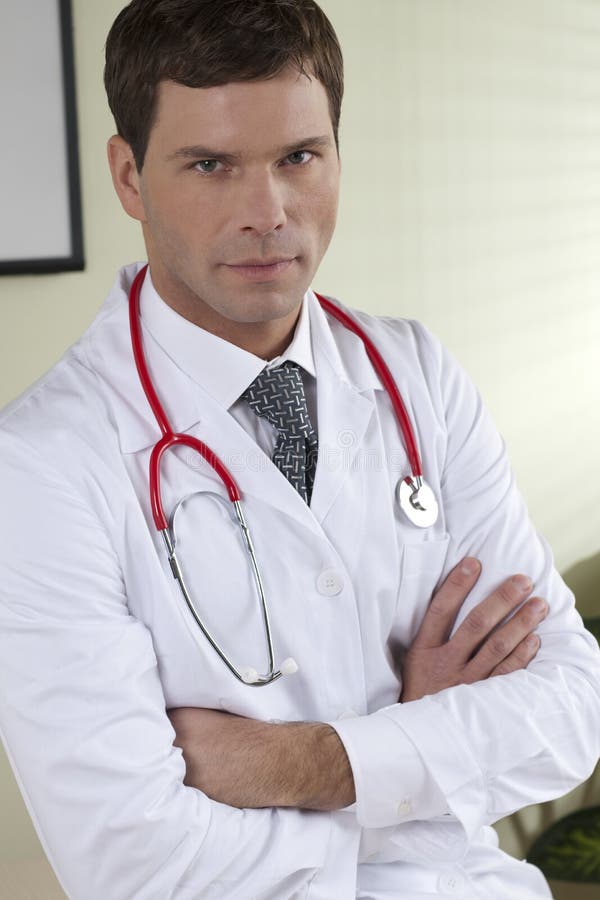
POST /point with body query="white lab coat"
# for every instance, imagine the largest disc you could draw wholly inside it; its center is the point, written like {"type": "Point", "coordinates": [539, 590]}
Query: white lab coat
{"type": "Point", "coordinates": [96, 641]}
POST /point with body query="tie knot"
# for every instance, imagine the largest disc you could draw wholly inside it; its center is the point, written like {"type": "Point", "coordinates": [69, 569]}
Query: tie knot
{"type": "Point", "coordinates": [278, 395]}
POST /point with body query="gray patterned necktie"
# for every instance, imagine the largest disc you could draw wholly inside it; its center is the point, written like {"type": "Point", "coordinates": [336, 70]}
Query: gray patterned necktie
{"type": "Point", "coordinates": [278, 395]}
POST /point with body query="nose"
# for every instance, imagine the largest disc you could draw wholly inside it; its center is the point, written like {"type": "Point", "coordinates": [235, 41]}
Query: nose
{"type": "Point", "coordinates": [261, 203]}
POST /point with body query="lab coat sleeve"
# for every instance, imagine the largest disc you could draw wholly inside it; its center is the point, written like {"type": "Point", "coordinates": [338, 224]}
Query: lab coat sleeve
{"type": "Point", "coordinates": [83, 722]}
{"type": "Point", "coordinates": [475, 753]}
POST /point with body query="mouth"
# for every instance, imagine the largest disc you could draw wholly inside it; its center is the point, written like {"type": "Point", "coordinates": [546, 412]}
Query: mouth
{"type": "Point", "coordinates": [261, 269]}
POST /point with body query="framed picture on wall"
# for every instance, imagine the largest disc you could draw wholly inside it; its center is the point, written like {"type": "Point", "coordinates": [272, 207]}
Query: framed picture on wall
{"type": "Point", "coordinates": [40, 199]}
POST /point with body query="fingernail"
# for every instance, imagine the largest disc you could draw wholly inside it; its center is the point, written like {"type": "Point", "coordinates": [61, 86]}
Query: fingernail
{"type": "Point", "coordinates": [523, 583]}
{"type": "Point", "coordinates": [469, 566]}
{"type": "Point", "coordinates": [532, 642]}
{"type": "Point", "coordinates": [539, 605]}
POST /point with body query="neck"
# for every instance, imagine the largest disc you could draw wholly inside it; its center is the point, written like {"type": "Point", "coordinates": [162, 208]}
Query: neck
{"type": "Point", "coordinates": [266, 338]}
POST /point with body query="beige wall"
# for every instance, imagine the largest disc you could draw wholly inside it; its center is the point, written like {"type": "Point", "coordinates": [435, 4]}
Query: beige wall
{"type": "Point", "coordinates": [471, 200]}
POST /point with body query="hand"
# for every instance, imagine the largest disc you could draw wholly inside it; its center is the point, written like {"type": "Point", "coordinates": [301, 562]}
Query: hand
{"type": "Point", "coordinates": [251, 764]}
{"type": "Point", "coordinates": [476, 651]}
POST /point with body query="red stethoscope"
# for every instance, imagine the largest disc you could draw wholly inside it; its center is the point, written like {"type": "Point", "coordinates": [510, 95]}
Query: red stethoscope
{"type": "Point", "coordinates": [415, 497]}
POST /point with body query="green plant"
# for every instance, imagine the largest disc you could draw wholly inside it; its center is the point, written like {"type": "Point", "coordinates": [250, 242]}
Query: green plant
{"type": "Point", "coordinates": [570, 849]}
{"type": "Point", "coordinates": [593, 625]}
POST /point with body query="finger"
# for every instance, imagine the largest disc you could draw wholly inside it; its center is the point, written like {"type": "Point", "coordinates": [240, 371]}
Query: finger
{"type": "Point", "coordinates": [503, 642]}
{"type": "Point", "coordinates": [484, 617]}
{"type": "Point", "coordinates": [520, 657]}
{"type": "Point", "coordinates": [446, 602]}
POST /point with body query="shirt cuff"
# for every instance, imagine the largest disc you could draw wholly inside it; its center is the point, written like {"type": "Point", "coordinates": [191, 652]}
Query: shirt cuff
{"type": "Point", "coordinates": [391, 781]}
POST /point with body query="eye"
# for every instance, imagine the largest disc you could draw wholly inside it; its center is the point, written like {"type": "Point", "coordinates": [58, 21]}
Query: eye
{"type": "Point", "coordinates": [206, 166]}
{"type": "Point", "coordinates": [299, 157]}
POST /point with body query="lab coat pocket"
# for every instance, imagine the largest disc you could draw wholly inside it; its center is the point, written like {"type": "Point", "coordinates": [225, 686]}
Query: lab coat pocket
{"type": "Point", "coordinates": [421, 569]}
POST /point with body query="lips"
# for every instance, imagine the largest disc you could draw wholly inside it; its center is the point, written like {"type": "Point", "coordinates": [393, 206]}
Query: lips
{"type": "Point", "coordinates": [262, 262]}
{"type": "Point", "coordinates": [261, 270]}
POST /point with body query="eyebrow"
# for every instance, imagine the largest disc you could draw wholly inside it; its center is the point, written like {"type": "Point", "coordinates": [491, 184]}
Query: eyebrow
{"type": "Point", "coordinates": [199, 152]}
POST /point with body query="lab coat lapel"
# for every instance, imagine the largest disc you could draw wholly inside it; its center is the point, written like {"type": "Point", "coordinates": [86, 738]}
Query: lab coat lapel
{"type": "Point", "coordinates": [344, 415]}
{"type": "Point", "coordinates": [345, 380]}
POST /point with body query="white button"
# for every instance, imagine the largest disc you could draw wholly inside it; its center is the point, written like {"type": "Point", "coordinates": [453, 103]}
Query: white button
{"type": "Point", "coordinates": [348, 714]}
{"type": "Point", "coordinates": [404, 807]}
{"type": "Point", "coordinates": [451, 882]}
{"type": "Point", "coordinates": [330, 583]}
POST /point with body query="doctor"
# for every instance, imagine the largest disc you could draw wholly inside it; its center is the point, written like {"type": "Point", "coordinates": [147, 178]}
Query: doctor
{"type": "Point", "coordinates": [151, 771]}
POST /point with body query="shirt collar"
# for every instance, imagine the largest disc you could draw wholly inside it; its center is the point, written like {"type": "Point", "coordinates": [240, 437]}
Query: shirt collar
{"type": "Point", "coordinates": [222, 369]}
{"type": "Point", "coordinates": [106, 347]}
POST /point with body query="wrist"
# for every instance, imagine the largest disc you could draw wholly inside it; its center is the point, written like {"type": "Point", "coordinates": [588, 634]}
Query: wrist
{"type": "Point", "coordinates": [322, 775]}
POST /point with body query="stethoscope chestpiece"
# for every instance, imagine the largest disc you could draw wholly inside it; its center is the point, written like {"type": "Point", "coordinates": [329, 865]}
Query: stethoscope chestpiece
{"type": "Point", "coordinates": [417, 501]}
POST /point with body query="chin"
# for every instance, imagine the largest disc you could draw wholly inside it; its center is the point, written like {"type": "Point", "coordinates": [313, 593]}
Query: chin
{"type": "Point", "coordinates": [253, 308]}
{"type": "Point", "coordinates": [253, 315]}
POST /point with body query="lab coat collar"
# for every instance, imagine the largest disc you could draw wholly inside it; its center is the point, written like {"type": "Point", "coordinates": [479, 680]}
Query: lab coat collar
{"type": "Point", "coordinates": [340, 349]}
{"type": "Point", "coordinates": [107, 347]}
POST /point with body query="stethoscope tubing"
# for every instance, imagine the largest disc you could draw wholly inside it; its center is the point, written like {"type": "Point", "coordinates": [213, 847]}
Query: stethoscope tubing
{"type": "Point", "coordinates": [386, 377]}
{"type": "Point", "coordinates": [171, 438]}
{"type": "Point", "coordinates": [409, 487]}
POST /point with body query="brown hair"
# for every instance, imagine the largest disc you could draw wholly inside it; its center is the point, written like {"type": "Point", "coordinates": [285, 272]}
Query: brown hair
{"type": "Point", "coordinates": [205, 43]}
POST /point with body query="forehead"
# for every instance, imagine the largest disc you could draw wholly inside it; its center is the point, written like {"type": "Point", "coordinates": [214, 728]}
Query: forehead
{"type": "Point", "coordinates": [279, 110]}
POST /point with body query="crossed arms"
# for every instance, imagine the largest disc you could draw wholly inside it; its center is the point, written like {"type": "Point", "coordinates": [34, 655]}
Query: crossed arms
{"type": "Point", "coordinates": [82, 706]}
{"type": "Point", "coordinates": [251, 764]}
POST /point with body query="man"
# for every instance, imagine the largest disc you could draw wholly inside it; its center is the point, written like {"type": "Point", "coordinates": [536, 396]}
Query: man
{"type": "Point", "coordinates": [376, 769]}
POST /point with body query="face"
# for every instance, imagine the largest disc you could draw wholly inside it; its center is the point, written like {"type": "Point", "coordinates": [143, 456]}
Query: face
{"type": "Point", "coordinates": [238, 199]}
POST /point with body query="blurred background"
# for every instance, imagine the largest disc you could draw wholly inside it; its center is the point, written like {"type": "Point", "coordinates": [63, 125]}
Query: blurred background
{"type": "Point", "coordinates": [470, 144]}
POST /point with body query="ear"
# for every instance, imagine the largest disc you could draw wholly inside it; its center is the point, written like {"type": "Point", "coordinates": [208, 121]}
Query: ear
{"type": "Point", "coordinates": [125, 176]}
